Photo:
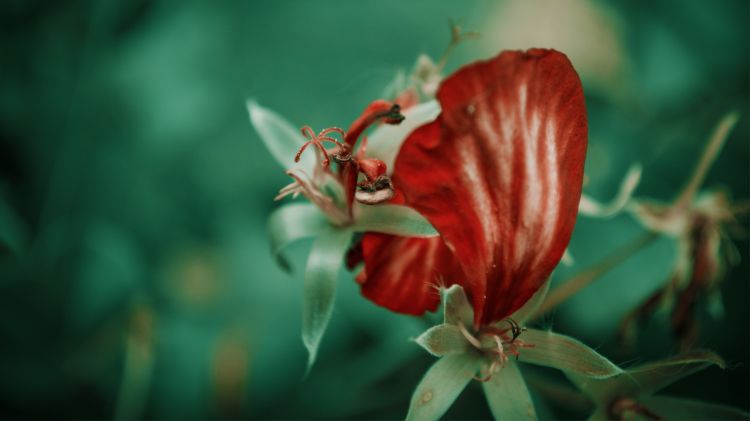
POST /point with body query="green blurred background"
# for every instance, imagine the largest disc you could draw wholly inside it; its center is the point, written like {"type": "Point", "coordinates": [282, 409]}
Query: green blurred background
{"type": "Point", "coordinates": [135, 276]}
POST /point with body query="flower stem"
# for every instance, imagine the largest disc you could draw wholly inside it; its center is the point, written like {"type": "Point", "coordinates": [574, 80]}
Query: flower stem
{"type": "Point", "coordinates": [580, 281]}
{"type": "Point", "coordinates": [715, 143]}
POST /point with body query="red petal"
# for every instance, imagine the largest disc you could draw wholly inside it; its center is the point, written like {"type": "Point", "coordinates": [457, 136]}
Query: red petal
{"type": "Point", "coordinates": [403, 274]}
{"type": "Point", "coordinates": [499, 173]}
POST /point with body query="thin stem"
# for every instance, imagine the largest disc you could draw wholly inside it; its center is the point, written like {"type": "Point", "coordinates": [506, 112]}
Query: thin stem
{"type": "Point", "coordinates": [457, 36]}
{"type": "Point", "coordinates": [715, 143]}
{"type": "Point", "coordinates": [580, 281]}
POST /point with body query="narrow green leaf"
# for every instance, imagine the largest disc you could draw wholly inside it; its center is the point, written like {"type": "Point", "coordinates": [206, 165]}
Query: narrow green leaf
{"type": "Point", "coordinates": [658, 375]}
{"type": "Point", "coordinates": [443, 340]}
{"type": "Point", "coordinates": [392, 219]}
{"type": "Point", "coordinates": [319, 288]}
{"type": "Point", "coordinates": [441, 385]}
{"type": "Point", "coordinates": [529, 309]}
{"type": "Point", "coordinates": [281, 138]}
{"type": "Point", "coordinates": [456, 306]}
{"type": "Point", "coordinates": [508, 396]}
{"type": "Point", "coordinates": [648, 378]}
{"type": "Point", "coordinates": [293, 222]}
{"type": "Point", "coordinates": [386, 141]}
{"type": "Point", "coordinates": [686, 409]}
{"type": "Point", "coordinates": [566, 354]}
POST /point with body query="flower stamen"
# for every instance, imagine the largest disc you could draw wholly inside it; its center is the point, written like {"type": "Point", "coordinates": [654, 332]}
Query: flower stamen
{"type": "Point", "coordinates": [502, 346]}
{"type": "Point", "coordinates": [318, 140]}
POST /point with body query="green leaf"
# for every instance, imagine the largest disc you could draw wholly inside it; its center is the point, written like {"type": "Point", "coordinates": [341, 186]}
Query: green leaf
{"type": "Point", "coordinates": [441, 385]}
{"type": "Point", "coordinates": [508, 396]}
{"type": "Point", "coordinates": [456, 306]}
{"type": "Point", "coordinates": [648, 378]}
{"type": "Point", "coordinates": [385, 142]}
{"type": "Point", "coordinates": [656, 376]}
{"type": "Point", "coordinates": [392, 219]}
{"type": "Point", "coordinates": [319, 288]}
{"type": "Point", "coordinates": [529, 309]}
{"type": "Point", "coordinates": [443, 340]}
{"type": "Point", "coordinates": [686, 409]}
{"type": "Point", "coordinates": [293, 222]}
{"type": "Point", "coordinates": [566, 354]}
{"type": "Point", "coordinates": [281, 138]}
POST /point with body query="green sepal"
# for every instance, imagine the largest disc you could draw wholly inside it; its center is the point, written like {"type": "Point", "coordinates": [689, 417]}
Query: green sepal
{"type": "Point", "coordinates": [293, 222]}
{"type": "Point", "coordinates": [648, 378]}
{"type": "Point", "coordinates": [441, 385]}
{"type": "Point", "coordinates": [508, 396]}
{"type": "Point", "coordinates": [456, 307]}
{"type": "Point", "coordinates": [319, 289]}
{"type": "Point", "coordinates": [392, 219]}
{"type": "Point", "coordinates": [281, 138]}
{"type": "Point", "coordinates": [566, 354]}
{"type": "Point", "coordinates": [443, 340]}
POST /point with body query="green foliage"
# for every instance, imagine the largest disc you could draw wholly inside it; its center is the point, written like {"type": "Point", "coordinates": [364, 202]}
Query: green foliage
{"type": "Point", "coordinates": [293, 222]}
{"type": "Point", "coordinates": [442, 340]}
{"type": "Point", "coordinates": [392, 219]}
{"type": "Point", "coordinates": [630, 393]}
{"type": "Point", "coordinates": [441, 385]}
{"type": "Point", "coordinates": [319, 289]}
{"type": "Point", "coordinates": [566, 354]}
{"type": "Point", "coordinates": [456, 307]}
{"type": "Point", "coordinates": [508, 396]}
{"type": "Point", "coordinates": [281, 138]}
{"type": "Point", "coordinates": [648, 378]}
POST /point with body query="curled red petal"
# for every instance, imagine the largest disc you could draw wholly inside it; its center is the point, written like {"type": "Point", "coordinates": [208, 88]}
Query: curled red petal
{"type": "Point", "coordinates": [403, 274]}
{"type": "Point", "coordinates": [499, 173]}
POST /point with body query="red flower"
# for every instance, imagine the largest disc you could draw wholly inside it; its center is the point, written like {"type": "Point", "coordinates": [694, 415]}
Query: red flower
{"type": "Point", "coordinates": [499, 175]}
